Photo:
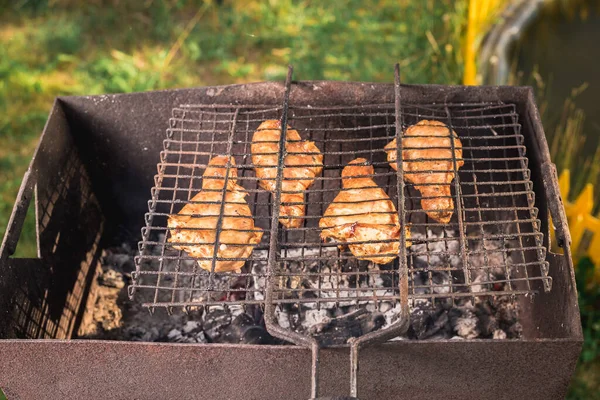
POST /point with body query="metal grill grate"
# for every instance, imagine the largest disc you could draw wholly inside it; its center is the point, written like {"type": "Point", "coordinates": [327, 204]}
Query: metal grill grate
{"type": "Point", "coordinates": [492, 245]}
{"type": "Point", "coordinates": [195, 135]}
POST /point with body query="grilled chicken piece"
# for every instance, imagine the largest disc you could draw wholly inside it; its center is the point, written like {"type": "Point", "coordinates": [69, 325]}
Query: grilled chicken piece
{"type": "Point", "coordinates": [265, 149]}
{"type": "Point", "coordinates": [427, 147]}
{"type": "Point", "coordinates": [363, 212]}
{"type": "Point", "coordinates": [196, 223]}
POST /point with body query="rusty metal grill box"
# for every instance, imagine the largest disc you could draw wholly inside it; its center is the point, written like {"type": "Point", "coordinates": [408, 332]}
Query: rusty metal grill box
{"type": "Point", "coordinates": [89, 183]}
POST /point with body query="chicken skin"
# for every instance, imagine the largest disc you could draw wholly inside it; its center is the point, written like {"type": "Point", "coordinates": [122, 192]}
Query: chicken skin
{"type": "Point", "coordinates": [427, 147]}
{"type": "Point", "coordinates": [193, 229]}
{"type": "Point", "coordinates": [363, 212]}
{"type": "Point", "coordinates": [305, 154]}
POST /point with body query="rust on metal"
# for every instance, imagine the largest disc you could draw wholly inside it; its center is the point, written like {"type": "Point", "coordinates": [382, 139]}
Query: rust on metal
{"type": "Point", "coordinates": [505, 195]}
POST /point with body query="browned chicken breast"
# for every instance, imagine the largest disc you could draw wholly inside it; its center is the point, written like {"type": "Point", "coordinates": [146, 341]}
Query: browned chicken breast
{"type": "Point", "coordinates": [363, 212]}
{"type": "Point", "coordinates": [265, 149]}
{"type": "Point", "coordinates": [427, 147]}
{"type": "Point", "coordinates": [193, 229]}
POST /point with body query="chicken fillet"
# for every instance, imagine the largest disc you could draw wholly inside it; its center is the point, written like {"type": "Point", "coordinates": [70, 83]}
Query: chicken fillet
{"type": "Point", "coordinates": [305, 154]}
{"type": "Point", "coordinates": [194, 228]}
{"type": "Point", "coordinates": [363, 212]}
{"type": "Point", "coordinates": [427, 147]}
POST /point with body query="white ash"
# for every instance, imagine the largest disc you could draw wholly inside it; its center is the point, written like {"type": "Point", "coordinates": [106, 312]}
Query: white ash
{"type": "Point", "coordinates": [314, 278]}
{"type": "Point", "coordinates": [491, 317]}
{"type": "Point", "coordinates": [465, 317]}
{"type": "Point", "coordinates": [440, 282]}
{"type": "Point", "coordinates": [314, 317]}
{"type": "Point", "coordinates": [488, 263]}
{"type": "Point", "coordinates": [259, 270]}
{"type": "Point", "coordinates": [499, 334]}
{"type": "Point", "coordinates": [191, 333]}
{"type": "Point", "coordinates": [392, 314]}
{"type": "Point", "coordinates": [111, 278]}
{"type": "Point", "coordinates": [282, 317]}
{"type": "Point", "coordinates": [191, 326]}
{"type": "Point", "coordinates": [199, 281]}
{"type": "Point", "coordinates": [441, 252]}
{"type": "Point", "coordinates": [115, 317]}
{"type": "Point", "coordinates": [466, 325]}
{"type": "Point", "coordinates": [487, 260]}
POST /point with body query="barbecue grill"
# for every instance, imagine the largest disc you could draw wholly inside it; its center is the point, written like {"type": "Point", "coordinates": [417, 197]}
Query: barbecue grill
{"type": "Point", "coordinates": [91, 175]}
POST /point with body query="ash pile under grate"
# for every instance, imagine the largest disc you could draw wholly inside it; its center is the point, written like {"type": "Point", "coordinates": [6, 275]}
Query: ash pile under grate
{"type": "Point", "coordinates": [115, 317]}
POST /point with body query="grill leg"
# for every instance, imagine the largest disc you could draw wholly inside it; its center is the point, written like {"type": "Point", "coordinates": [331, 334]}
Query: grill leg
{"type": "Point", "coordinates": [314, 379]}
{"type": "Point", "coordinates": [354, 368]}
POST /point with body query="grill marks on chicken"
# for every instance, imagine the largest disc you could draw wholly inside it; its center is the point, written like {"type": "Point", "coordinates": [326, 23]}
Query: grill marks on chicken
{"type": "Point", "coordinates": [362, 216]}
{"type": "Point", "coordinates": [302, 163]}
{"type": "Point", "coordinates": [363, 212]}
{"type": "Point", "coordinates": [427, 147]}
{"type": "Point", "coordinates": [194, 228]}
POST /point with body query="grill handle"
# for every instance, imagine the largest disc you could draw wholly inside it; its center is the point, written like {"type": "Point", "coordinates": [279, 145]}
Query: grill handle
{"type": "Point", "coordinates": [555, 204]}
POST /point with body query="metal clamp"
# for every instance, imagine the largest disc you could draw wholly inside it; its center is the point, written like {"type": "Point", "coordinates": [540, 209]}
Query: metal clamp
{"type": "Point", "coordinates": [557, 209]}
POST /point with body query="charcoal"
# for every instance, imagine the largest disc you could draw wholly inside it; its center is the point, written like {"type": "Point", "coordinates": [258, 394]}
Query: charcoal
{"type": "Point", "coordinates": [437, 325]}
{"type": "Point", "coordinates": [243, 329]}
{"type": "Point", "coordinates": [487, 322]}
{"type": "Point", "coordinates": [119, 258]}
{"type": "Point", "coordinates": [232, 325]}
{"type": "Point", "coordinates": [194, 335]}
{"type": "Point", "coordinates": [419, 319]}
{"type": "Point", "coordinates": [464, 322]}
{"type": "Point", "coordinates": [316, 318]}
{"type": "Point", "coordinates": [135, 333]}
{"type": "Point", "coordinates": [463, 318]}
{"type": "Point", "coordinates": [174, 335]}
{"type": "Point", "coordinates": [145, 336]}
{"type": "Point", "coordinates": [339, 330]}
{"type": "Point", "coordinates": [215, 323]}
{"type": "Point", "coordinates": [334, 320]}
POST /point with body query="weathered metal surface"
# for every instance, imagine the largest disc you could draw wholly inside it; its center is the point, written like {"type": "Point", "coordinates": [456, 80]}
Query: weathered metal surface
{"type": "Point", "coordinates": [50, 289]}
{"type": "Point", "coordinates": [413, 370]}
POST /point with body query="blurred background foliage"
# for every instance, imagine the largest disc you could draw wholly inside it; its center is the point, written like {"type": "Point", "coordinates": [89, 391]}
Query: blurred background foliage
{"type": "Point", "coordinates": [63, 47]}
{"type": "Point", "coordinates": [69, 47]}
